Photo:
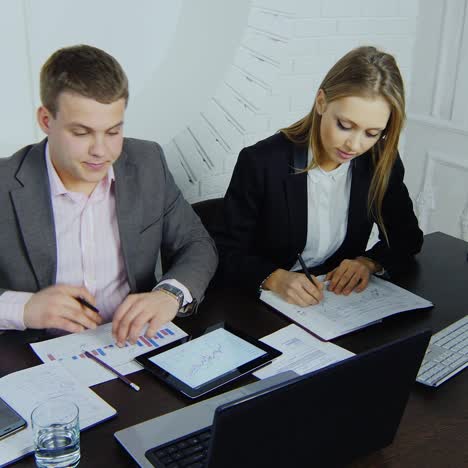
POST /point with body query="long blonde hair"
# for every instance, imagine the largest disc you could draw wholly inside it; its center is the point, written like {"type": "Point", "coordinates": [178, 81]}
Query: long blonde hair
{"type": "Point", "coordinates": [369, 73]}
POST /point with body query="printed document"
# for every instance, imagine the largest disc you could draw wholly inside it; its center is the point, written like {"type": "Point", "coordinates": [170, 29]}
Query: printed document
{"type": "Point", "coordinates": [25, 389]}
{"type": "Point", "coordinates": [302, 352]}
{"type": "Point", "coordinates": [69, 351]}
{"type": "Point", "coordinates": [337, 315]}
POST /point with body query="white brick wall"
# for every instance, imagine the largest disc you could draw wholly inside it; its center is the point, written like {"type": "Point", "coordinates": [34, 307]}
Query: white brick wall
{"type": "Point", "coordinates": [287, 48]}
{"type": "Point", "coordinates": [339, 8]}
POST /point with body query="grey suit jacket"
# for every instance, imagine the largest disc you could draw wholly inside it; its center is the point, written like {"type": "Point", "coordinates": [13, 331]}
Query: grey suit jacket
{"type": "Point", "coordinates": [152, 216]}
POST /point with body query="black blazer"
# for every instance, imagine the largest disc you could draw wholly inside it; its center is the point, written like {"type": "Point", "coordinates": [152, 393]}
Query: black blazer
{"type": "Point", "coordinates": [264, 220]}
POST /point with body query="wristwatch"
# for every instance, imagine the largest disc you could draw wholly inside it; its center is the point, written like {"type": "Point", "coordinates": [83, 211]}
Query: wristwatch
{"type": "Point", "coordinates": [184, 311]}
{"type": "Point", "coordinates": [173, 291]}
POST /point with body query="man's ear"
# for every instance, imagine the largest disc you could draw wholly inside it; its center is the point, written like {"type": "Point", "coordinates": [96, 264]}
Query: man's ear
{"type": "Point", "coordinates": [44, 117]}
{"type": "Point", "coordinates": [321, 102]}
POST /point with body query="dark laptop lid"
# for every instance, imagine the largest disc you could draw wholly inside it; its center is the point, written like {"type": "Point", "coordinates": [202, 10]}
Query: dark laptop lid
{"type": "Point", "coordinates": [324, 418]}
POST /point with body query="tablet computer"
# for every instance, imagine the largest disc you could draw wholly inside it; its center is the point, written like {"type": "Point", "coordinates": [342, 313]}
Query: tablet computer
{"type": "Point", "coordinates": [198, 365]}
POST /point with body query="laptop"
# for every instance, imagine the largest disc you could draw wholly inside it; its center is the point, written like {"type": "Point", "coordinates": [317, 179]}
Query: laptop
{"type": "Point", "coordinates": [324, 418]}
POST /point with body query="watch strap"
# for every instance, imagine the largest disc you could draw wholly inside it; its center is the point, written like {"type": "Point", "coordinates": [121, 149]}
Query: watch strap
{"type": "Point", "coordinates": [173, 291]}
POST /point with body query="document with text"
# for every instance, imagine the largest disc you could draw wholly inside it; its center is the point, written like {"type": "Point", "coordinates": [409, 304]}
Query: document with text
{"type": "Point", "coordinates": [302, 352]}
{"type": "Point", "coordinates": [26, 389]}
{"type": "Point", "coordinates": [338, 315]}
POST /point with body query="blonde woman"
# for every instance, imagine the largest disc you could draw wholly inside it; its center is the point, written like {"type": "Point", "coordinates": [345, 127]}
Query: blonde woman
{"type": "Point", "coordinates": [316, 188]}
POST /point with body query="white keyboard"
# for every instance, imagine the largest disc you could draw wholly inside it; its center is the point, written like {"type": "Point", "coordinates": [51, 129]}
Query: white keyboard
{"type": "Point", "coordinates": [446, 355]}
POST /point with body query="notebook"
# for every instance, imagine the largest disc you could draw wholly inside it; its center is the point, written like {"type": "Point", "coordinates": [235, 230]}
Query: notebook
{"type": "Point", "coordinates": [324, 418]}
{"type": "Point", "coordinates": [25, 389]}
{"type": "Point", "coordinates": [338, 315]}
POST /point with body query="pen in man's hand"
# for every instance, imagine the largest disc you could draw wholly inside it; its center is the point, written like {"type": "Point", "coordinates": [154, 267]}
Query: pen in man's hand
{"type": "Point", "coordinates": [84, 302]}
{"type": "Point", "coordinates": [116, 372]}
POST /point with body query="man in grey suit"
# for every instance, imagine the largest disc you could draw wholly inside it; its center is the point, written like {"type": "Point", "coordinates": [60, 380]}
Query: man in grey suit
{"type": "Point", "coordinates": [86, 212]}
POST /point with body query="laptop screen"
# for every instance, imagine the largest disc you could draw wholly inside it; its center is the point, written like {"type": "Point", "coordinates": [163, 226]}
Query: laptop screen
{"type": "Point", "coordinates": [325, 418]}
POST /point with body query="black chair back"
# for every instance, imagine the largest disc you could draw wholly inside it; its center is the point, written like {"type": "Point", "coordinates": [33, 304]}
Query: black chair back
{"type": "Point", "coordinates": [210, 212]}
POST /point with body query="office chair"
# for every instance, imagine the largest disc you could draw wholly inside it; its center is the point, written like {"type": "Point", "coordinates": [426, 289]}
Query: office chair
{"type": "Point", "coordinates": [210, 212]}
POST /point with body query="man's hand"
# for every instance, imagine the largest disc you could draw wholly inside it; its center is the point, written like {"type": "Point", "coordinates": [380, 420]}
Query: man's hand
{"type": "Point", "coordinates": [295, 288]}
{"type": "Point", "coordinates": [351, 275]}
{"type": "Point", "coordinates": [56, 307]}
{"type": "Point", "coordinates": [154, 308]}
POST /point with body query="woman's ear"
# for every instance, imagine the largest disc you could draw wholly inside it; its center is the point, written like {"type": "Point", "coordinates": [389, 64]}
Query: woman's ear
{"type": "Point", "coordinates": [321, 102]}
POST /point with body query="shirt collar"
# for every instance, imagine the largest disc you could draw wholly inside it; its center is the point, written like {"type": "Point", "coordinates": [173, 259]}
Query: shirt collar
{"type": "Point", "coordinates": [56, 185]}
{"type": "Point", "coordinates": [318, 172]}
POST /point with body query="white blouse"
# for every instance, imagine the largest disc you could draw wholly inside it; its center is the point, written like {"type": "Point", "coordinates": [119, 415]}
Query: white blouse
{"type": "Point", "coordinates": [327, 212]}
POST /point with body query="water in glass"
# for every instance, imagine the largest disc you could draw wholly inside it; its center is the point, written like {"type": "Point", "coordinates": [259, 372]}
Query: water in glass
{"type": "Point", "coordinates": [57, 447]}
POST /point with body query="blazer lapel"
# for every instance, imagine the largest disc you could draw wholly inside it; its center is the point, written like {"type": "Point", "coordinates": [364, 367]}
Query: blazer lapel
{"type": "Point", "coordinates": [358, 198]}
{"type": "Point", "coordinates": [33, 207]}
{"type": "Point", "coordinates": [296, 198]}
{"type": "Point", "coordinates": [128, 208]}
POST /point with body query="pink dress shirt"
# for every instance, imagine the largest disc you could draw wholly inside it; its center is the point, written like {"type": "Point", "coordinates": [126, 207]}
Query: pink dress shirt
{"type": "Point", "coordinates": [88, 249]}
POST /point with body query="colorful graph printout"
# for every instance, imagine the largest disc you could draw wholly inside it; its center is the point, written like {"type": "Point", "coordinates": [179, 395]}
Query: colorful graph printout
{"type": "Point", "coordinates": [143, 342]}
{"type": "Point", "coordinates": [69, 351]}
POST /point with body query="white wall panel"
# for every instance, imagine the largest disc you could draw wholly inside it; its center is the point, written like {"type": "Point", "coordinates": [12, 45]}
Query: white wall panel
{"type": "Point", "coordinates": [166, 48]}
{"type": "Point", "coordinates": [139, 36]}
{"type": "Point", "coordinates": [437, 133]}
{"type": "Point", "coordinates": [459, 104]}
{"type": "Point", "coordinates": [444, 193]}
{"type": "Point", "coordinates": [437, 175]}
{"type": "Point", "coordinates": [17, 116]}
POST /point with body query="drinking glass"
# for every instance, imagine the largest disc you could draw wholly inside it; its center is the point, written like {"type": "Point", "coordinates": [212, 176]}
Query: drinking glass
{"type": "Point", "coordinates": [56, 430]}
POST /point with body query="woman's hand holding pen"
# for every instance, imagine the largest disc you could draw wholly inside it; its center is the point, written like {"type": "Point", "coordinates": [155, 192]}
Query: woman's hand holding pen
{"type": "Point", "coordinates": [351, 275]}
{"type": "Point", "coordinates": [295, 288]}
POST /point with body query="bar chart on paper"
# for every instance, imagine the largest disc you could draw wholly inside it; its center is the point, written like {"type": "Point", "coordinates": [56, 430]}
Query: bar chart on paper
{"type": "Point", "coordinates": [69, 351]}
{"type": "Point", "coordinates": [147, 344]}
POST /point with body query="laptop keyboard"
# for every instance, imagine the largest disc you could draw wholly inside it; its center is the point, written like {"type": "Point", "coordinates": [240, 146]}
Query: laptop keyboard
{"type": "Point", "coordinates": [189, 452]}
{"type": "Point", "coordinates": [446, 355]}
